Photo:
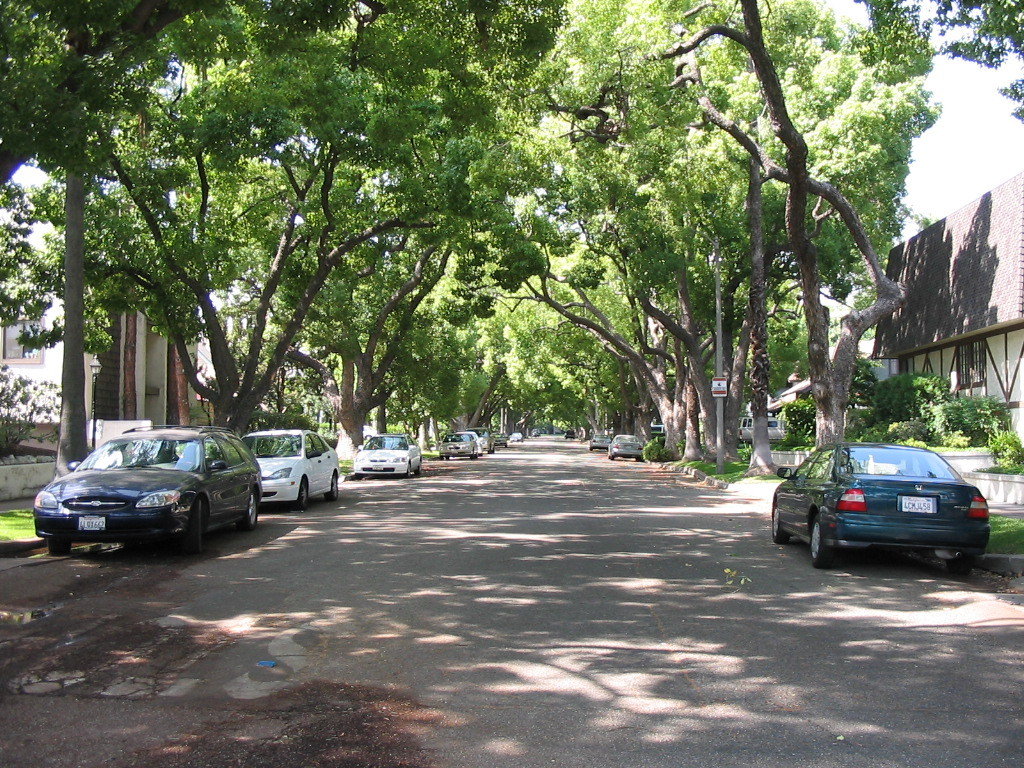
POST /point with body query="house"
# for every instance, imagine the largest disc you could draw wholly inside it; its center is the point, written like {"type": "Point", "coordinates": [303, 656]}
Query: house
{"type": "Point", "coordinates": [140, 376]}
{"type": "Point", "coordinates": [964, 316]}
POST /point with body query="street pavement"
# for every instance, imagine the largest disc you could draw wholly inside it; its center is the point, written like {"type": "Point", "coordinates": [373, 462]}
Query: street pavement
{"type": "Point", "coordinates": [548, 607]}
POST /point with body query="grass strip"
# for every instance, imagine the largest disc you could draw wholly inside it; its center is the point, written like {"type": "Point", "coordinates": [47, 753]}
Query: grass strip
{"type": "Point", "coordinates": [1007, 537]}
{"type": "Point", "coordinates": [17, 524]}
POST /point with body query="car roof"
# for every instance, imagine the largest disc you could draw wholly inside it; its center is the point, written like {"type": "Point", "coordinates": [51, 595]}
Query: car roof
{"type": "Point", "coordinates": [279, 432]}
{"type": "Point", "coordinates": [173, 433]}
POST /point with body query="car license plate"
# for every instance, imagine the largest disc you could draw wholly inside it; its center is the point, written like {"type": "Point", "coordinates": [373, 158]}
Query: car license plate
{"type": "Point", "coordinates": [92, 523]}
{"type": "Point", "coordinates": [918, 504]}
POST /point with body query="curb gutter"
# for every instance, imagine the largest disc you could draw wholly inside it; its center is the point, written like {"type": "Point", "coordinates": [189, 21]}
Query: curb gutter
{"type": "Point", "coordinates": [17, 546]}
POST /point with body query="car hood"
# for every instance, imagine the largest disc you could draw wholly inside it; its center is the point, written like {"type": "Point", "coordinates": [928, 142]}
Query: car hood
{"type": "Point", "coordinates": [127, 483]}
{"type": "Point", "coordinates": [267, 466]}
{"type": "Point", "coordinates": [382, 454]}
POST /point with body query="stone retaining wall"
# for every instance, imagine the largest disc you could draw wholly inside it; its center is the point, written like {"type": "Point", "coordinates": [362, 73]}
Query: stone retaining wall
{"type": "Point", "coordinates": [18, 481]}
{"type": "Point", "coordinates": [1006, 489]}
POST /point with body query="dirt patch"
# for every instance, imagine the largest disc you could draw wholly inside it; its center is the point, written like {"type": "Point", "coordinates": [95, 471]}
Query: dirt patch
{"type": "Point", "coordinates": [314, 725]}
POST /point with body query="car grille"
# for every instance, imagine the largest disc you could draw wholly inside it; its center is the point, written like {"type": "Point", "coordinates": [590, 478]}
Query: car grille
{"type": "Point", "coordinates": [96, 504]}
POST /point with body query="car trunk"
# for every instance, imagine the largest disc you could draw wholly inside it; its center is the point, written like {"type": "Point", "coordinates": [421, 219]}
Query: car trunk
{"type": "Point", "coordinates": [920, 500]}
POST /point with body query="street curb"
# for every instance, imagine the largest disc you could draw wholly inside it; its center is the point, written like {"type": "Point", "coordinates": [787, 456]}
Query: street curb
{"type": "Point", "coordinates": [697, 475]}
{"type": "Point", "coordinates": [17, 546]}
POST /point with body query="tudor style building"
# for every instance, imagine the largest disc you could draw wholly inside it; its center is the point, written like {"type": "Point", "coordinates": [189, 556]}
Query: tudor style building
{"type": "Point", "coordinates": [964, 316]}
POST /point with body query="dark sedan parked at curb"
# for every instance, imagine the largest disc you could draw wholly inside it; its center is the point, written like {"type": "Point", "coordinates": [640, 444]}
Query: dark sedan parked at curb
{"type": "Point", "coordinates": [857, 495]}
{"type": "Point", "coordinates": [153, 483]}
{"type": "Point", "coordinates": [626, 447]}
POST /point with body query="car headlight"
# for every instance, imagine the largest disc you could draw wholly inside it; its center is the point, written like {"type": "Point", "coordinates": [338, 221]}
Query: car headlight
{"type": "Point", "coordinates": [159, 499]}
{"type": "Point", "coordinates": [46, 500]}
{"type": "Point", "coordinates": [280, 474]}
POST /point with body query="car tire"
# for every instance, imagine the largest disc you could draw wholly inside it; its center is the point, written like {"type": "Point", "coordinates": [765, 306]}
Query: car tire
{"type": "Point", "coordinates": [779, 536]}
{"type": "Point", "coordinates": [252, 514]}
{"type": "Point", "coordinates": [473, 455]}
{"type": "Point", "coordinates": [639, 458]}
{"type": "Point", "coordinates": [960, 565]}
{"type": "Point", "coordinates": [611, 457]}
{"type": "Point", "coordinates": [332, 493]}
{"type": "Point", "coordinates": [822, 555]}
{"type": "Point", "coordinates": [419, 467]}
{"type": "Point", "coordinates": [58, 546]}
{"type": "Point", "coordinates": [408, 470]}
{"type": "Point", "coordinates": [192, 541]}
{"type": "Point", "coordinates": [302, 500]}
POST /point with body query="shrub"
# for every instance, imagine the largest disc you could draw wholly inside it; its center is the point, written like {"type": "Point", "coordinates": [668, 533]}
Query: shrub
{"type": "Point", "coordinates": [655, 450]}
{"type": "Point", "coordinates": [975, 417]}
{"type": "Point", "coordinates": [902, 431]}
{"type": "Point", "coordinates": [955, 440]}
{"type": "Point", "coordinates": [912, 443]}
{"type": "Point", "coordinates": [799, 417]}
{"type": "Point", "coordinates": [23, 404]}
{"type": "Point", "coordinates": [909, 397]}
{"type": "Point", "coordinates": [1006, 449]}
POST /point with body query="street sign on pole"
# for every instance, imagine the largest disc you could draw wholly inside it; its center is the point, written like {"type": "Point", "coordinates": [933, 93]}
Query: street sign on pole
{"type": "Point", "coordinates": [719, 386]}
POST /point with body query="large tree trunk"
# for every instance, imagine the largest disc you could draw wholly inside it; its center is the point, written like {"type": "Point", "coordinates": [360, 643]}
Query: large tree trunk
{"type": "Point", "coordinates": [761, 462]}
{"type": "Point", "coordinates": [692, 449]}
{"type": "Point", "coordinates": [72, 444]}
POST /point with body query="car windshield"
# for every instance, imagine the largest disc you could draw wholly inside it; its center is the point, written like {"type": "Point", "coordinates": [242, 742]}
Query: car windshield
{"type": "Point", "coordinates": [627, 439]}
{"type": "Point", "coordinates": [894, 462]}
{"type": "Point", "coordinates": [386, 443]}
{"type": "Point", "coordinates": [274, 446]}
{"type": "Point", "coordinates": [146, 453]}
{"type": "Point", "coordinates": [457, 438]}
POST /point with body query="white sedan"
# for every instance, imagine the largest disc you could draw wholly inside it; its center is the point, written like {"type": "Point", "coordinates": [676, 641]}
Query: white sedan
{"type": "Point", "coordinates": [388, 455]}
{"type": "Point", "coordinates": [294, 464]}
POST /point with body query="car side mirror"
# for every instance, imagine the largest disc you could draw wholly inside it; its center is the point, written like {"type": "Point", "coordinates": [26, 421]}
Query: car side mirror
{"type": "Point", "coordinates": [217, 465]}
{"type": "Point", "coordinates": [73, 465]}
{"type": "Point", "coordinates": [784, 472]}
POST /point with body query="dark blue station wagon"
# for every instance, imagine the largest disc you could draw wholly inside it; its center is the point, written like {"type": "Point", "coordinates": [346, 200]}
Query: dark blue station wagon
{"type": "Point", "coordinates": [856, 495]}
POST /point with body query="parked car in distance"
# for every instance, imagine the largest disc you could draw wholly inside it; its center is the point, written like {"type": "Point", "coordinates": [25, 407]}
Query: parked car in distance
{"type": "Point", "coordinates": [535, 433]}
{"type": "Point", "coordinates": [626, 447]}
{"type": "Point", "coordinates": [570, 434]}
{"type": "Point", "coordinates": [388, 455]}
{"type": "Point", "coordinates": [295, 464]}
{"type": "Point", "coordinates": [599, 442]}
{"type": "Point", "coordinates": [776, 429]}
{"type": "Point", "coordinates": [515, 437]}
{"type": "Point", "coordinates": [485, 437]}
{"type": "Point", "coordinates": [149, 484]}
{"type": "Point", "coordinates": [500, 440]}
{"type": "Point", "coordinates": [459, 444]}
{"type": "Point", "coordinates": [857, 495]}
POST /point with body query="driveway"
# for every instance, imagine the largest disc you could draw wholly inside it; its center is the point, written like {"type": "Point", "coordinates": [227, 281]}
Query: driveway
{"type": "Point", "coordinates": [539, 607]}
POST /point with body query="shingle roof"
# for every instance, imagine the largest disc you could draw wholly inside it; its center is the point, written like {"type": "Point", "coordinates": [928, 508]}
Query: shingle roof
{"type": "Point", "coordinates": [963, 274]}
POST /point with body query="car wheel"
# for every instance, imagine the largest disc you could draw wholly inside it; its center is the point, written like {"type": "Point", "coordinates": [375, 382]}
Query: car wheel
{"type": "Point", "coordinates": [779, 536]}
{"type": "Point", "coordinates": [473, 455]}
{"type": "Point", "coordinates": [58, 546]}
{"type": "Point", "coordinates": [639, 458]}
{"type": "Point", "coordinates": [192, 542]}
{"type": "Point", "coordinates": [302, 500]}
{"type": "Point", "coordinates": [332, 494]}
{"type": "Point", "coordinates": [252, 514]}
{"type": "Point", "coordinates": [408, 470]}
{"type": "Point", "coordinates": [960, 565]}
{"type": "Point", "coordinates": [419, 467]}
{"type": "Point", "coordinates": [822, 555]}
{"type": "Point", "coordinates": [611, 457]}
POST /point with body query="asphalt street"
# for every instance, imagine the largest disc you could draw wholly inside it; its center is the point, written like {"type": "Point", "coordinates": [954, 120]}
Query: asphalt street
{"type": "Point", "coordinates": [548, 607]}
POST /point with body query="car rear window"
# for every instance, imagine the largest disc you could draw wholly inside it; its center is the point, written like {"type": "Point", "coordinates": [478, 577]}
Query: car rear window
{"type": "Point", "coordinates": [456, 438]}
{"type": "Point", "coordinates": [895, 462]}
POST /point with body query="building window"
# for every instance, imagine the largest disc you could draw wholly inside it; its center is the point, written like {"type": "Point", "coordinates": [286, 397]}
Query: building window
{"type": "Point", "coordinates": [970, 365]}
{"type": "Point", "coordinates": [12, 347]}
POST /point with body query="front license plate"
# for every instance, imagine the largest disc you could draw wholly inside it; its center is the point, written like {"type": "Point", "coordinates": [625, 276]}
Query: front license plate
{"type": "Point", "coordinates": [919, 504]}
{"type": "Point", "coordinates": [92, 523]}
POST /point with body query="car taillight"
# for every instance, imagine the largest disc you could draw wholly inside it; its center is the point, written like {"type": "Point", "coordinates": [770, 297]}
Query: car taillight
{"type": "Point", "coordinates": [979, 508]}
{"type": "Point", "coordinates": [852, 501]}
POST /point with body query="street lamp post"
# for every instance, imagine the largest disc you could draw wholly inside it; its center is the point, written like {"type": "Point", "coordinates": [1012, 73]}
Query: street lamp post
{"type": "Point", "coordinates": [94, 366]}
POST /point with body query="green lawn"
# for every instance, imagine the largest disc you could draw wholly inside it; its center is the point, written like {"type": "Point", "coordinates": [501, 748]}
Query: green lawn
{"type": "Point", "coordinates": [1007, 536]}
{"type": "Point", "coordinates": [17, 524]}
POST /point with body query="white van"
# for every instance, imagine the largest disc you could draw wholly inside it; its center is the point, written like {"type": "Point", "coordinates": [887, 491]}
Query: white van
{"type": "Point", "coordinates": [776, 428]}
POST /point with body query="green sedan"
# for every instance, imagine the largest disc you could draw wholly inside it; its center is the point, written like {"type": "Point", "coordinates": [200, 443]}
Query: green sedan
{"type": "Point", "coordinates": [857, 495]}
